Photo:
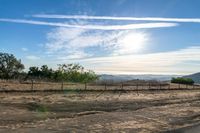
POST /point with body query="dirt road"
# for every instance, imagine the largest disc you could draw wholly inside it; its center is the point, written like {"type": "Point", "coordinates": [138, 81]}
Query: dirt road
{"type": "Point", "coordinates": [90, 112]}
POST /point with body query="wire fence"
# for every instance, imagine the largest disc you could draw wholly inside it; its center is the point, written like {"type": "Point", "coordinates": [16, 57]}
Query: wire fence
{"type": "Point", "coordinates": [33, 86]}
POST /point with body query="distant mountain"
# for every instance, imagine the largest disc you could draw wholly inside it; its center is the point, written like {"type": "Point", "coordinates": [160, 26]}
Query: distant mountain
{"type": "Point", "coordinates": [195, 77]}
{"type": "Point", "coordinates": [120, 78]}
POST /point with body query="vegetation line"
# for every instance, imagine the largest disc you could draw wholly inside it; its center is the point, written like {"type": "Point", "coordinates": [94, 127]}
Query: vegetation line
{"type": "Point", "coordinates": [12, 68]}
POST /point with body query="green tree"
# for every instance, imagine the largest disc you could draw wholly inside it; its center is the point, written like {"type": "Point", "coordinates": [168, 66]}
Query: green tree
{"type": "Point", "coordinates": [180, 80]}
{"type": "Point", "coordinates": [46, 72]}
{"type": "Point", "coordinates": [89, 76]}
{"type": "Point", "coordinates": [34, 72]}
{"type": "Point", "coordinates": [65, 72]}
{"type": "Point", "coordinates": [10, 67]}
{"type": "Point", "coordinates": [76, 73]}
{"type": "Point", "coordinates": [70, 72]}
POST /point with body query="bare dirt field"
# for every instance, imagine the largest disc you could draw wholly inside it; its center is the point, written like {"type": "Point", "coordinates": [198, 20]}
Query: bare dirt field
{"type": "Point", "coordinates": [74, 111]}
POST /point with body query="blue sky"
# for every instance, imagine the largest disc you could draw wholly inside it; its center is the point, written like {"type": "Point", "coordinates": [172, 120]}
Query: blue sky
{"type": "Point", "coordinates": [107, 36]}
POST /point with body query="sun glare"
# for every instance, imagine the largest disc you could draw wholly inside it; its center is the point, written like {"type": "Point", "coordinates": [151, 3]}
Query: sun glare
{"type": "Point", "coordinates": [132, 43]}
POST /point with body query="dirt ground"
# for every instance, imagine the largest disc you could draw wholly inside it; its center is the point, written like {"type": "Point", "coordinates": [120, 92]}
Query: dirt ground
{"type": "Point", "coordinates": [106, 112]}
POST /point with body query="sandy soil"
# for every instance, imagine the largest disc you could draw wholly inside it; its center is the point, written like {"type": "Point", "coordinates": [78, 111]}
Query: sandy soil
{"type": "Point", "coordinates": [99, 112]}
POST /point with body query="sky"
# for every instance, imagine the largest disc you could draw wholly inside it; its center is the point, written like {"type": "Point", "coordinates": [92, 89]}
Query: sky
{"type": "Point", "coordinates": [107, 36]}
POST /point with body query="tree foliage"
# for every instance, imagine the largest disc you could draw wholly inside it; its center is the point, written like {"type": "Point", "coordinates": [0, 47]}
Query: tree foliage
{"type": "Point", "coordinates": [40, 73]}
{"type": "Point", "coordinates": [65, 72]}
{"type": "Point", "coordinates": [10, 67]}
{"type": "Point", "coordinates": [180, 80]}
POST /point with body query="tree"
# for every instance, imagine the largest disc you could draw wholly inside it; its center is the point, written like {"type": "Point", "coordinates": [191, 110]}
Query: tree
{"type": "Point", "coordinates": [46, 72]}
{"type": "Point", "coordinates": [88, 76]}
{"type": "Point", "coordinates": [10, 67]}
{"type": "Point", "coordinates": [33, 72]}
{"type": "Point", "coordinates": [40, 73]}
{"type": "Point", "coordinates": [65, 72]}
{"type": "Point", "coordinates": [75, 73]}
{"type": "Point", "coordinates": [70, 68]}
{"type": "Point", "coordinates": [70, 72]}
{"type": "Point", "coordinates": [180, 80]}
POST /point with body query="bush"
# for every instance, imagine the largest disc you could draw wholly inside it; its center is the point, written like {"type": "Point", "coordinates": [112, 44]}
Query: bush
{"type": "Point", "coordinates": [180, 80]}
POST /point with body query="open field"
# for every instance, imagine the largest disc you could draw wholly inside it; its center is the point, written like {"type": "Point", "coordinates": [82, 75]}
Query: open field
{"type": "Point", "coordinates": [74, 111]}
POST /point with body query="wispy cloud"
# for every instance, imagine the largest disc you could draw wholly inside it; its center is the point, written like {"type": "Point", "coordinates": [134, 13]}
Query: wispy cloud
{"type": "Point", "coordinates": [71, 43]}
{"type": "Point", "coordinates": [32, 57]}
{"type": "Point", "coordinates": [24, 49]}
{"type": "Point", "coordinates": [193, 20]}
{"type": "Point", "coordinates": [183, 61]}
{"type": "Point", "coordinates": [93, 27]}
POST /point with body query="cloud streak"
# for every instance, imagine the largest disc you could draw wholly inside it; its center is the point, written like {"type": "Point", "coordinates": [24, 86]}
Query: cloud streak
{"type": "Point", "coordinates": [93, 27]}
{"type": "Point", "coordinates": [182, 61]}
{"type": "Point", "coordinates": [192, 20]}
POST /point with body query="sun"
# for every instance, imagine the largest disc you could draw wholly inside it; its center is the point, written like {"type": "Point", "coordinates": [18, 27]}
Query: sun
{"type": "Point", "coordinates": [132, 42]}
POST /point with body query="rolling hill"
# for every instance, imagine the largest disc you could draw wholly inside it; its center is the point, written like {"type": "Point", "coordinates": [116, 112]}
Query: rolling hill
{"type": "Point", "coordinates": [195, 77]}
{"type": "Point", "coordinates": [119, 78]}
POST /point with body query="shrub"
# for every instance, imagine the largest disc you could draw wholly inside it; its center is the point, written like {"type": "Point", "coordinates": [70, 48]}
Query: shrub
{"type": "Point", "coordinates": [180, 80]}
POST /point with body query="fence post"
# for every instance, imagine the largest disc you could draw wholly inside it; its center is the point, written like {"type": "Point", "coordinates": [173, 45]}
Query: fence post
{"type": "Point", "coordinates": [160, 86]}
{"type": "Point", "coordinates": [31, 84]}
{"type": "Point", "coordinates": [62, 85]}
{"type": "Point", "coordinates": [85, 86]}
{"type": "Point", "coordinates": [105, 87]}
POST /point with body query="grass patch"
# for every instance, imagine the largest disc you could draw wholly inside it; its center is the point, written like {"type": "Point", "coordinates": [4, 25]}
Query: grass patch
{"type": "Point", "coordinates": [38, 108]}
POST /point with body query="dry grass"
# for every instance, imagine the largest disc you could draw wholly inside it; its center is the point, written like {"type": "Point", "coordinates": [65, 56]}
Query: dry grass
{"type": "Point", "coordinates": [84, 112]}
{"type": "Point", "coordinates": [16, 85]}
